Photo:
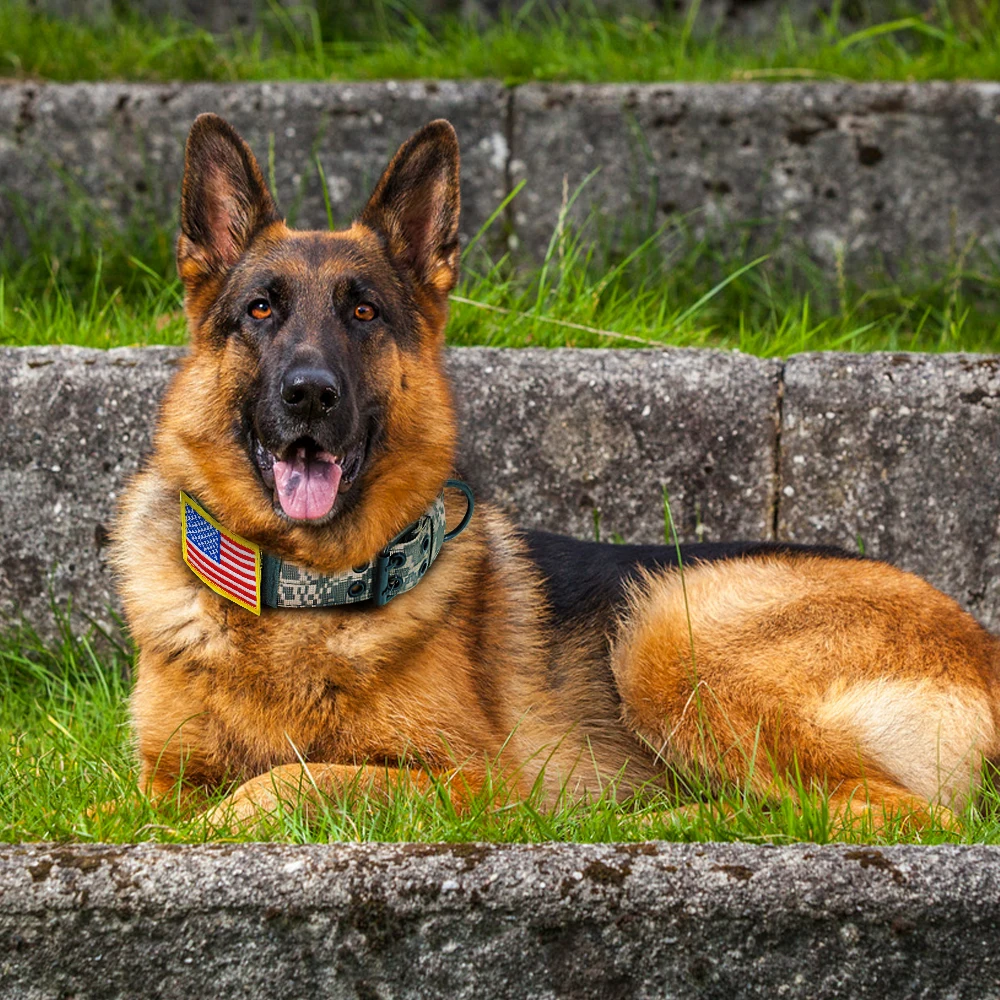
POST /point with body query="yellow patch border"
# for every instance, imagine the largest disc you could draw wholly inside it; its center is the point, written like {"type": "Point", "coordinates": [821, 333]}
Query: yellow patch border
{"type": "Point", "coordinates": [187, 501]}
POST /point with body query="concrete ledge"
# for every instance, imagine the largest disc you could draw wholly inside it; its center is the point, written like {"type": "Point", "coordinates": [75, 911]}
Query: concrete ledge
{"type": "Point", "coordinates": [77, 423]}
{"type": "Point", "coordinates": [638, 921]}
{"type": "Point", "coordinates": [901, 452]}
{"type": "Point", "coordinates": [897, 450]}
{"type": "Point", "coordinates": [123, 144]}
{"type": "Point", "coordinates": [885, 173]}
{"type": "Point", "coordinates": [551, 435]}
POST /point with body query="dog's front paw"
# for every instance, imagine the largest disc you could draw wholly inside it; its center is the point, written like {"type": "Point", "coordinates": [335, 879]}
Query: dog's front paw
{"type": "Point", "coordinates": [252, 805]}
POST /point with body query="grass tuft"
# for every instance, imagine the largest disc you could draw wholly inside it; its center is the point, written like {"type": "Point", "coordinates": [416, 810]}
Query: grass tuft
{"type": "Point", "coordinates": [101, 287]}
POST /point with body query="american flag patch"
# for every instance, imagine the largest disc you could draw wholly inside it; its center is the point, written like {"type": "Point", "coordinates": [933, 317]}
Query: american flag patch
{"type": "Point", "coordinates": [230, 565]}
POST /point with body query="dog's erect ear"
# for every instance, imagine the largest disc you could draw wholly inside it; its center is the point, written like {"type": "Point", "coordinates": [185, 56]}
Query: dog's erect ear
{"type": "Point", "coordinates": [224, 200]}
{"type": "Point", "coordinates": [415, 205]}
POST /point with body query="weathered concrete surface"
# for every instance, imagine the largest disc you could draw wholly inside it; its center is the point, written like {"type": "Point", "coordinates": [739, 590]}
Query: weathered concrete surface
{"type": "Point", "coordinates": [547, 922]}
{"type": "Point", "coordinates": [123, 144]}
{"type": "Point", "coordinates": [551, 435]}
{"type": "Point", "coordinates": [760, 18]}
{"type": "Point", "coordinates": [893, 171]}
{"type": "Point", "coordinates": [741, 17]}
{"type": "Point", "coordinates": [902, 451]}
{"type": "Point", "coordinates": [76, 423]}
{"type": "Point", "coordinates": [890, 173]}
{"type": "Point", "coordinates": [899, 450]}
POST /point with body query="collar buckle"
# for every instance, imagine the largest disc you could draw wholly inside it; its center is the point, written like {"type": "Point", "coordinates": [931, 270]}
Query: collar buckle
{"type": "Point", "coordinates": [381, 593]}
{"type": "Point", "coordinates": [386, 581]}
{"type": "Point", "coordinates": [387, 571]}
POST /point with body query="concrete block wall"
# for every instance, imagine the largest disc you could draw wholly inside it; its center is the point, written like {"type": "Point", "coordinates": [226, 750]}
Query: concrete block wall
{"type": "Point", "coordinates": [897, 451]}
{"type": "Point", "coordinates": [886, 175]}
{"type": "Point", "coordinates": [122, 145]}
{"type": "Point", "coordinates": [733, 17]}
{"type": "Point", "coordinates": [873, 173]}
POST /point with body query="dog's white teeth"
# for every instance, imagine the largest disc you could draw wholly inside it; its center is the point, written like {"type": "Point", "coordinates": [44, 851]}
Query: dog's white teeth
{"type": "Point", "coordinates": [265, 458]}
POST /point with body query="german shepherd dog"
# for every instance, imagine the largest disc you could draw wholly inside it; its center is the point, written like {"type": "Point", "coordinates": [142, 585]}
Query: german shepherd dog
{"type": "Point", "coordinates": [312, 417]}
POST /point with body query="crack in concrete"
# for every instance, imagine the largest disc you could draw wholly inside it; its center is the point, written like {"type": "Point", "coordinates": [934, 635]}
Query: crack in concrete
{"type": "Point", "coordinates": [25, 115]}
{"type": "Point", "coordinates": [776, 479]}
{"type": "Point", "coordinates": [508, 167]}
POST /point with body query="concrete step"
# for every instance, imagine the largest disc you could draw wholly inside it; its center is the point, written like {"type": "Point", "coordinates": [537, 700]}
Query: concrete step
{"type": "Point", "coordinates": [897, 451]}
{"type": "Point", "coordinates": [490, 922]}
{"type": "Point", "coordinates": [885, 174]}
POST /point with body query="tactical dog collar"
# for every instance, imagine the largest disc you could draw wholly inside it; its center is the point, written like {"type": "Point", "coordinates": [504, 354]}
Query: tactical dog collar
{"type": "Point", "coordinates": [238, 570]}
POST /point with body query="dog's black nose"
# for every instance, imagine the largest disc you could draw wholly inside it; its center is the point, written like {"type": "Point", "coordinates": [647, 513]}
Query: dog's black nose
{"type": "Point", "coordinates": [310, 392]}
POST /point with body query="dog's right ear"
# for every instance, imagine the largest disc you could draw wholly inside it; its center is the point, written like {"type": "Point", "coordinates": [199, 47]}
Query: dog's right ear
{"type": "Point", "coordinates": [224, 201]}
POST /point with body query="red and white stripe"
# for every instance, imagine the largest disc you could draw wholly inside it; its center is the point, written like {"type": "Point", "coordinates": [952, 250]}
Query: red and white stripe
{"type": "Point", "coordinates": [237, 574]}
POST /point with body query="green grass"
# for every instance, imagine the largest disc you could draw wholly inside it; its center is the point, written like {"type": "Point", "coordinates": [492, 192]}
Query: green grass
{"type": "Point", "coordinates": [65, 750]}
{"type": "Point", "coordinates": [105, 288]}
{"type": "Point", "coordinates": [381, 40]}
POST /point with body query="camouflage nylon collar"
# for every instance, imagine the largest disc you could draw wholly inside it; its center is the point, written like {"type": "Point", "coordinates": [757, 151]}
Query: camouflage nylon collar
{"type": "Point", "coordinates": [239, 571]}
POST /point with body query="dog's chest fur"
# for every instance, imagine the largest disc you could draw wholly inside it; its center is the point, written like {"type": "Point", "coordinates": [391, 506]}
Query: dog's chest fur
{"type": "Point", "coordinates": [464, 665]}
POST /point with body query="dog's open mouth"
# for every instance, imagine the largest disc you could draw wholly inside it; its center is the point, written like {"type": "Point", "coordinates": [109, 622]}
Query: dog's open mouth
{"type": "Point", "coordinates": [306, 480]}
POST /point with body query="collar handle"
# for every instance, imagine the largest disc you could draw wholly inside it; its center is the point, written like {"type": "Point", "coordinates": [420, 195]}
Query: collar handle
{"type": "Point", "coordinates": [470, 506]}
{"type": "Point", "coordinates": [387, 582]}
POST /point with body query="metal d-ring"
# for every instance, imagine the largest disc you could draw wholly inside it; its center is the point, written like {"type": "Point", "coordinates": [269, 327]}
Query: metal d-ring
{"type": "Point", "coordinates": [457, 484]}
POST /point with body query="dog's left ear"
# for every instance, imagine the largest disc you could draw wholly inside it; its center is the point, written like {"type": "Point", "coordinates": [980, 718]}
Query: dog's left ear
{"type": "Point", "coordinates": [415, 205]}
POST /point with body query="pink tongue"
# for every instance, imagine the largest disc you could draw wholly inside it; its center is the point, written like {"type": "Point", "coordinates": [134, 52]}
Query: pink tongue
{"type": "Point", "coordinates": [307, 488]}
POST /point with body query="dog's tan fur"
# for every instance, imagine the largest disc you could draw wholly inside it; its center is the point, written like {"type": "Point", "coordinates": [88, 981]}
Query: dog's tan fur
{"type": "Point", "coordinates": [843, 672]}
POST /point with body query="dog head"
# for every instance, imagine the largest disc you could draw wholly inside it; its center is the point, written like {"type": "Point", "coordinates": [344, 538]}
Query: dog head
{"type": "Point", "coordinates": [313, 414]}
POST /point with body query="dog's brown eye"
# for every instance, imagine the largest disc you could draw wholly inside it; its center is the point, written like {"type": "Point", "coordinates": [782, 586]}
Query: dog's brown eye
{"type": "Point", "coordinates": [260, 309]}
{"type": "Point", "coordinates": [364, 311]}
